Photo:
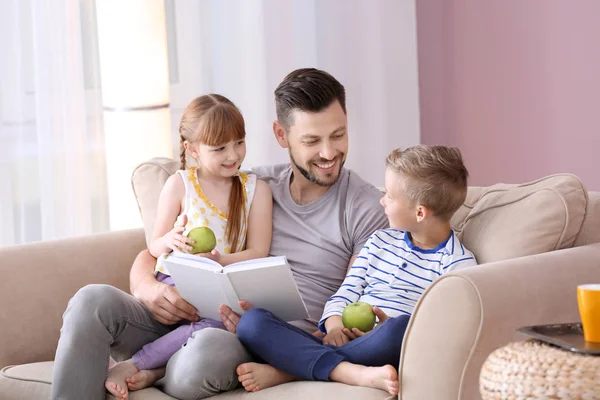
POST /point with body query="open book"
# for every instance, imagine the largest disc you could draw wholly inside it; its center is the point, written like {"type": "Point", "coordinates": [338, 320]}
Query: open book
{"type": "Point", "coordinates": [263, 282]}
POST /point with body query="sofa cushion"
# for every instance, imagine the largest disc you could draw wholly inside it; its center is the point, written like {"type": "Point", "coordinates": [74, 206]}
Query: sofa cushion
{"type": "Point", "coordinates": [507, 221]}
{"type": "Point", "coordinates": [147, 180]}
{"type": "Point", "coordinates": [33, 381]}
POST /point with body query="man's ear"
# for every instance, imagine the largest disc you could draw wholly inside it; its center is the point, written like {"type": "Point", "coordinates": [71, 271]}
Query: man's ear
{"type": "Point", "coordinates": [280, 134]}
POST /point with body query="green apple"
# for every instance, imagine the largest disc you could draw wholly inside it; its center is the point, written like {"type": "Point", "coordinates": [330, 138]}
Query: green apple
{"type": "Point", "coordinates": [204, 240]}
{"type": "Point", "coordinates": [359, 315]}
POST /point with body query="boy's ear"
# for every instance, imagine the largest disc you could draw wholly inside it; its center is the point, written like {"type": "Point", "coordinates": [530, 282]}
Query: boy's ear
{"type": "Point", "coordinates": [422, 212]}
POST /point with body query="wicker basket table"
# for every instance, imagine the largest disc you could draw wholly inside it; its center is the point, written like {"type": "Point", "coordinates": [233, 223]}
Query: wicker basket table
{"type": "Point", "coordinates": [535, 370]}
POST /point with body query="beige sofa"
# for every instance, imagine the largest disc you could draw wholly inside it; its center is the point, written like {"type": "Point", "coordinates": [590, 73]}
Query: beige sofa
{"type": "Point", "coordinates": [536, 242]}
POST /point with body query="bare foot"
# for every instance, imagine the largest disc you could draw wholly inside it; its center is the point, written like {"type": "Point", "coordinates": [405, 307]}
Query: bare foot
{"type": "Point", "coordinates": [255, 377]}
{"type": "Point", "coordinates": [384, 378]}
{"type": "Point", "coordinates": [144, 378]}
{"type": "Point", "coordinates": [115, 382]}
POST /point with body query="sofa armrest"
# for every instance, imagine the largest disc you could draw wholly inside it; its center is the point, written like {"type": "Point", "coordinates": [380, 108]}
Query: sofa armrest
{"type": "Point", "coordinates": [467, 314]}
{"type": "Point", "coordinates": [38, 279]}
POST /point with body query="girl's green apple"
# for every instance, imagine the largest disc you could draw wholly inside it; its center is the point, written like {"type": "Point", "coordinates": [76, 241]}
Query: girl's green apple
{"type": "Point", "coordinates": [204, 240]}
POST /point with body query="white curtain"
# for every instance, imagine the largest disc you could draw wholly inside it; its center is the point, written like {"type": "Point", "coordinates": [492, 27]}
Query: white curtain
{"type": "Point", "coordinates": [243, 49]}
{"type": "Point", "coordinates": [52, 160]}
{"type": "Point", "coordinates": [52, 175]}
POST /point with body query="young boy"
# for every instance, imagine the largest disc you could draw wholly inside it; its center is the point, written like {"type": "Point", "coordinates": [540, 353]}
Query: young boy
{"type": "Point", "coordinates": [424, 187]}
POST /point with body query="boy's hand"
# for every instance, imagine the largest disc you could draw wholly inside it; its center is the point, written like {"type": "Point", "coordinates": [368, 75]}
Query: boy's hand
{"type": "Point", "coordinates": [336, 337]}
{"type": "Point", "coordinates": [355, 332]}
{"type": "Point", "coordinates": [318, 334]}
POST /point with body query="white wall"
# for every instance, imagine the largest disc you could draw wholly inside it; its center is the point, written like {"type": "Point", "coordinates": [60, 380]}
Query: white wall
{"type": "Point", "coordinates": [243, 49]}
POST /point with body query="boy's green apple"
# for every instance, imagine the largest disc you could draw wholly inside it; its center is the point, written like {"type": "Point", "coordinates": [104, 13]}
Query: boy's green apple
{"type": "Point", "coordinates": [359, 315]}
{"type": "Point", "coordinates": [204, 240]}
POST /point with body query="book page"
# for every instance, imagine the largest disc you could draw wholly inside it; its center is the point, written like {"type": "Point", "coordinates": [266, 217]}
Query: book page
{"type": "Point", "coordinates": [255, 263]}
{"type": "Point", "coordinates": [272, 288]}
{"type": "Point", "coordinates": [194, 261]}
{"type": "Point", "coordinates": [198, 286]}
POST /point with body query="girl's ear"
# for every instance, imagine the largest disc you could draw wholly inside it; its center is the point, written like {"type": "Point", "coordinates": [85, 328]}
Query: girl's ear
{"type": "Point", "coordinates": [192, 151]}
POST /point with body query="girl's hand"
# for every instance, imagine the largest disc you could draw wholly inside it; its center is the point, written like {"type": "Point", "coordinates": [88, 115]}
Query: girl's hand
{"type": "Point", "coordinates": [174, 239]}
{"type": "Point", "coordinates": [213, 255]}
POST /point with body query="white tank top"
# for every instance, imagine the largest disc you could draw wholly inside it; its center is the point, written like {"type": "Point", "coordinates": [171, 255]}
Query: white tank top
{"type": "Point", "coordinates": [201, 212]}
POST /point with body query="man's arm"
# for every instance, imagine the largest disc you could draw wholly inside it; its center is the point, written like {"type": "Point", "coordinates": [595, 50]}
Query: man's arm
{"type": "Point", "coordinates": [162, 300]}
{"type": "Point", "coordinates": [365, 216]}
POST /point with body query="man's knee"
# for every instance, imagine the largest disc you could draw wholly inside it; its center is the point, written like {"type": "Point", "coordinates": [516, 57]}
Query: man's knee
{"type": "Point", "coordinates": [251, 325]}
{"type": "Point", "coordinates": [94, 301]}
{"type": "Point", "coordinates": [205, 365]}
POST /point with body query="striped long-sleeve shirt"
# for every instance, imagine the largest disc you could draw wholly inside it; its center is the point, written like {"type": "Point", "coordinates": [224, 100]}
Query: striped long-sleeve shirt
{"type": "Point", "coordinates": [392, 273]}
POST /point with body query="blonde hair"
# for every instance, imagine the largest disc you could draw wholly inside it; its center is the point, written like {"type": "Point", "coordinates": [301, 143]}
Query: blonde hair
{"type": "Point", "coordinates": [214, 120]}
{"type": "Point", "coordinates": [435, 177]}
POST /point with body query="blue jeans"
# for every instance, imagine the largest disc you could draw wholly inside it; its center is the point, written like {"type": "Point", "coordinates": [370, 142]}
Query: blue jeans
{"type": "Point", "coordinates": [302, 355]}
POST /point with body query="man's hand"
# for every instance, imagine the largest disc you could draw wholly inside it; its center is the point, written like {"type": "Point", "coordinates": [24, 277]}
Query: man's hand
{"type": "Point", "coordinates": [164, 302]}
{"type": "Point", "coordinates": [355, 332]}
{"type": "Point", "coordinates": [230, 318]}
{"type": "Point", "coordinates": [336, 337]}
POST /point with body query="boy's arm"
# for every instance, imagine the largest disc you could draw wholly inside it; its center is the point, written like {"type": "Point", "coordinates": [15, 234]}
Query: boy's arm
{"type": "Point", "coordinates": [350, 291]}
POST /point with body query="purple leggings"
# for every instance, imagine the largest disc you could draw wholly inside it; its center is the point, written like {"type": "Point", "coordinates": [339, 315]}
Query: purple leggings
{"type": "Point", "coordinates": [157, 354]}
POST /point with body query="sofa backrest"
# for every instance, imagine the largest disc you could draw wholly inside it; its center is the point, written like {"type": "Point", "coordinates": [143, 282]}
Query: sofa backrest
{"type": "Point", "coordinates": [497, 222]}
{"type": "Point", "coordinates": [507, 221]}
{"type": "Point", "coordinates": [590, 231]}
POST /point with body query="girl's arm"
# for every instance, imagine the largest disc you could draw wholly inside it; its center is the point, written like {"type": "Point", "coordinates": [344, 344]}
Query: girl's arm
{"type": "Point", "coordinates": [165, 238]}
{"type": "Point", "coordinates": [260, 227]}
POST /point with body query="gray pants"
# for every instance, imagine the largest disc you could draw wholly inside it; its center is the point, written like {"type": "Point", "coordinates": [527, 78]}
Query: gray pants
{"type": "Point", "coordinates": [102, 321]}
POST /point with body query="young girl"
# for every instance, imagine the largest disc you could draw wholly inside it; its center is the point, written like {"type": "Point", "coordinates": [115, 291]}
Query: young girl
{"type": "Point", "coordinates": [235, 206]}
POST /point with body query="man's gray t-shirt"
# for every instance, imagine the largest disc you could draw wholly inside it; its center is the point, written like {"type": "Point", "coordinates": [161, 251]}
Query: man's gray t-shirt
{"type": "Point", "coordinates": [320, 238]}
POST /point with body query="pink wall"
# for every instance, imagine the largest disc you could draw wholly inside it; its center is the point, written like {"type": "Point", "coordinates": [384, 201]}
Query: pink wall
{"type": "Point", "coordinates": [515, 84]}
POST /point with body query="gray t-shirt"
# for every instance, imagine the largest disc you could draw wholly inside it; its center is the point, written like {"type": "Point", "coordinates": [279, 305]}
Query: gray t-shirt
{"type": "Point", "coordinates": [320, 238]}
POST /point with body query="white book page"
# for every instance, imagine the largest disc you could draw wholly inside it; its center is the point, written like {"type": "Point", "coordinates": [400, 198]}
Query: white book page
{"type": "Point", "coordinates": [200, 287]}
{"type": "Point", "coordinates": [194, 261]}
{"type": "Point", "coordinates": [255, 263]}
{"type": "Point", "coordinates": [272, 288]}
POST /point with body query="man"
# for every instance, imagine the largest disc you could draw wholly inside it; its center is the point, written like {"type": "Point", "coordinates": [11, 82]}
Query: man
{"type": "Point", "coordinates": [322, 216]}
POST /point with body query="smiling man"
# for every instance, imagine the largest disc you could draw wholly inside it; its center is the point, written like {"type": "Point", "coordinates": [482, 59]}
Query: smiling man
{"type": "Point", "coordinates": [323, 214]}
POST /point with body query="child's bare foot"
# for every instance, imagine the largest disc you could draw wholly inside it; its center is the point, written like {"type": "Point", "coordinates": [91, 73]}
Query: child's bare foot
{"type": "Point", "coordinates": [255, 377]}
{"type": "Point", "coordinates": [384, 378]}
{"type": "Point", "coordinates": [117, 374]}
{"type": "Point", "coordinates": [144, 378]}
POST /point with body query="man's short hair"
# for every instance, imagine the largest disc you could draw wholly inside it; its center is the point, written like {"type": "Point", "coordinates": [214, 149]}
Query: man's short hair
{"type": "Point", "coordinates": [309, 90]}
{"type": "Point", "coordinates": [435, 177]}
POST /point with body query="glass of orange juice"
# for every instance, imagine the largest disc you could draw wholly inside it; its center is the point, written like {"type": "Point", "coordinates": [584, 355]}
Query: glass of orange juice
{"type": "Point", "coordinates": [588, 298]}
